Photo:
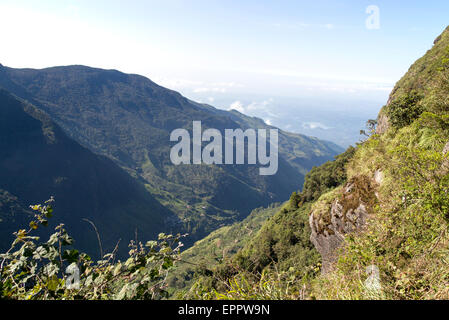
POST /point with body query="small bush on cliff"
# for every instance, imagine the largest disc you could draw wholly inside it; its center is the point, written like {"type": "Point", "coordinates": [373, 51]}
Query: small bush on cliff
{"type": "Point", "coordinates": [326, 177]}
{"type": "Point", "coordinates": [403, 110]}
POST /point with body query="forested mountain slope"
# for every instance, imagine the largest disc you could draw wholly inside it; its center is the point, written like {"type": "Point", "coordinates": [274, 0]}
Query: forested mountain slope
{"type": "Point", "coordinates": [38, 160]}
{"type": "Point", "coordinates": [128, 118]}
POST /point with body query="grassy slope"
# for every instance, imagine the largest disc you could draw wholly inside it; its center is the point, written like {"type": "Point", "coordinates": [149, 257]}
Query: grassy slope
{"type": "Point", "coordinates": [281, 245]}
{"type": "Point", "coordinates": [217, 246]}
{"type": "Point", "coordinates": [407, 237]}
{"type": "Point", "coordinates": [277, 236]}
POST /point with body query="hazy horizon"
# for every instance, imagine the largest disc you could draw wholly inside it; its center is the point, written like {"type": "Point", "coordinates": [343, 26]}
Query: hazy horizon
{"type": "Point", "coordinates": [313, 68]}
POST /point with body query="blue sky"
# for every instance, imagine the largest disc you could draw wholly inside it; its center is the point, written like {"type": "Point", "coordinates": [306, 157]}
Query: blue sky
{"type": "Point", "coordinates": [265, 58]}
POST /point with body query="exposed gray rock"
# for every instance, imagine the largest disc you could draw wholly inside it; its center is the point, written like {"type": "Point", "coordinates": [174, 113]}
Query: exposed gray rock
{"type": "Point", "coordinates": [382, 124]}
{"type": "Point", "coordinates": [446, 149]}
{"type": "Point", "coordinates": [328, 240]}
{"type": "Point", "coordinates": [378, 176]}
{"type": "Point", "coordinates": [325, 243]}
{"type": "Point", "coordinates": [445, 165]}
{"type": "Point", "coordinates": [328, 228]}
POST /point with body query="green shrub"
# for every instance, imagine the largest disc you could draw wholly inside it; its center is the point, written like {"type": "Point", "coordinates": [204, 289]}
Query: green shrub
{"type": "Point", "coordinates": [33, 270]}
{"type": "Point", "coordinates": [326, 177]}
{"type": "Point", "coordinates": [403, 110]}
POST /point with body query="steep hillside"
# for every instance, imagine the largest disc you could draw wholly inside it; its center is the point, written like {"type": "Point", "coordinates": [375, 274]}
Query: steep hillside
{"type": "Point", "coordinates": [397, 195]}
{"type": "Point", "coordinates": [37, 160]}
{"type": "Point", "coordinates": [209, 252]}
{"type": "Point", "coordinates": [279, 259]}
{"type": "Point", "coordinates": [128, 118]}
{"type": "Point", "coordinates": [378, 215]}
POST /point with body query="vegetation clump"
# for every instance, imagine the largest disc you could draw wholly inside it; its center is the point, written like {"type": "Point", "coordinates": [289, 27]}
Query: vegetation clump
{"type": "Point", "coordinates": [405, 109]}
{"type": "Point", "coordinates": [280, 261]}
{"type": "Point", "coordinates": [54, 270]}
{"type": "Point", "coordinates": [326, 177]}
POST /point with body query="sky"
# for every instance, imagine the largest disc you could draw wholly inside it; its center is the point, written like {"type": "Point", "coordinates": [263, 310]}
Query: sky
{"type": "Point", "coordinates": [304, 66]}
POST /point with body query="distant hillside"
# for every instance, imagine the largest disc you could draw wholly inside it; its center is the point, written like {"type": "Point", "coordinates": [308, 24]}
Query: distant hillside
{"type": "Point", "coordinates": [38, 160]}
{"type": "Point", "coordinates": [222, 243]}
{"type": "Point", "coordinates": [128, 118]}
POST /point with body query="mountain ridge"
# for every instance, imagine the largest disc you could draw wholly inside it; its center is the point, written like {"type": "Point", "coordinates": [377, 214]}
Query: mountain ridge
{"type": "Point", "coordinates": [128, 118]}
{"type": "Point", "coordinates": [38, 161]}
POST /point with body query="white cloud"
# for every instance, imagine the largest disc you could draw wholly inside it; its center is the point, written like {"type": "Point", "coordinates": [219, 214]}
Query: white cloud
{"type": "Point", "coordinates": [315, 125]}
{"type": "Point", "coordinates": [227, 84]}
{"type": "Point", "coordinates": [219, 87]}
{"type": "Point", "coordinates": [255, 105]}
{"type": "Point", "coordinates": [205, 89]}
{"type": "Point", "coordinates": [237, 105]}
{"type": "Point", "coordinates": [256, 108]}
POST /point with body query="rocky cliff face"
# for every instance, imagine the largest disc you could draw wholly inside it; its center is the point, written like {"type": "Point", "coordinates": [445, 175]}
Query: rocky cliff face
{"type": "Point", "coordinates": [345, 210]}
{"type": "Point", "coordinates": [382, 123]}
{"type": "Point", "coordinates": [446, 149]}
{"type": "Point", "coordinates": [348, 208]}
{"type": "Point", "coordinates": [445, 166]}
